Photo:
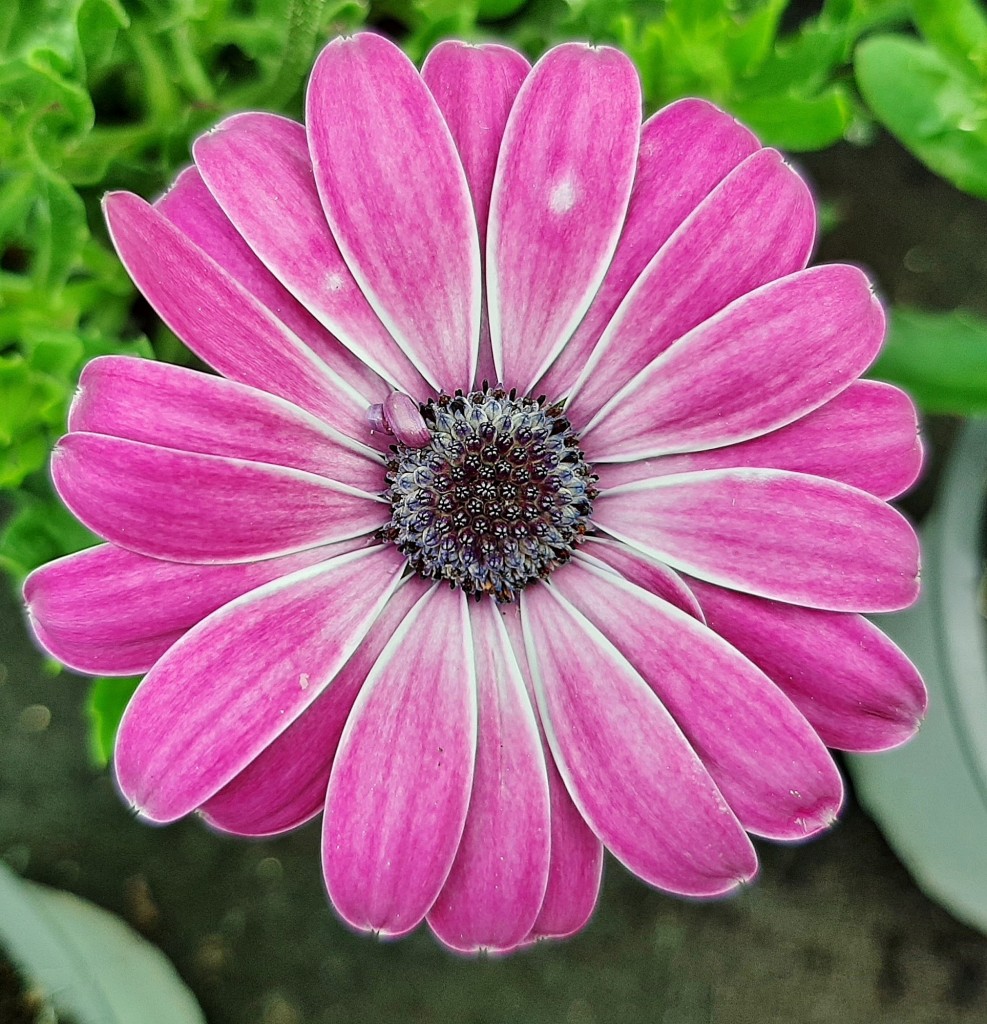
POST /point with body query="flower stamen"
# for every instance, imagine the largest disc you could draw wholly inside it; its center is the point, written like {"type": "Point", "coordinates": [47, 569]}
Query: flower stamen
{"type": "Point", "coordinates": [498, 498]}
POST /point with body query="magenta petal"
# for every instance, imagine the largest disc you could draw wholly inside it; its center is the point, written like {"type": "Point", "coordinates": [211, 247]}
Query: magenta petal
{"type": "Point", "coordinates": [655, 577]}
{"type": "Point", "coordinates": [107, 611]}
{"type": "Point", "coordinates": [396, 198]}
{"type": "Point", "coordinates": [686, 149]}
{"type": "Point", "coordinates": [191, 207]}
{"type": "Point", "coordinates": [497, 883]}
{"type": "Point", "coordinates": [764, 361]}
{"type": "Point", "coordinates": [475, 87]}
{"type": "Point", "coordinates": [400, 785]}
{"type": "Point", "coordinates": [787, 536]}
{"type": "Point", "coordinates": [220, 320]}
{"type": "Point", "coordinates": [767, 761]}
{"type": "Point", "coordinates": [559, 199]}
{"type": "Point", "coordinates": [575, 855]}
{"type": "Point", "coordinates": [625, 762]}
{"type": "Point", "coordinates": [258, 168]}
{"type": "Point", "coordinates": [169, 406]}
{"type": "Point", "coordinates": [848, 679]}
{"type": "Point", "coordinates": [867, 436]}
{"type": "Point", "coordinates": [236, 681]}
{"type": "Point", "coordinates": [286, 783]}
{"type": "Point", "coordinates": [575, 869]}
{"type": "Point", "coordinates": [202, 508]}
{"type": "Point", "coordinates": [757, 225]}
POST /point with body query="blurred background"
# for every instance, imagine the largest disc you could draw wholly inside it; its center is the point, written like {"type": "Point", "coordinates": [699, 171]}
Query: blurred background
{"type": "Point", "coordinates": [882, 105]}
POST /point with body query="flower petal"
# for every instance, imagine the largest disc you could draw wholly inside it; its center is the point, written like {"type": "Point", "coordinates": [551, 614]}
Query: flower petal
{"type": "Point", "coordinates": [221, 321]}
{"type": "Point", "coordinates": [475, 87]}
{"type": "Point", "coordinates": [108, 611]}
{"type": "Point", "coordinates": [497, 883]}
{"type": "Point", "coordinates": [767, 761]}
{"type": "Point", "coordinates": [202, 508]}
{"type": "Point", "coordinates": [192, 208]}
{"type": "Point", "coordinates": [400, 785]}
{"type": "Point", "coordinates": [686, 149]}
{"type": "Point", "coordinates": [627, 766]}
{"type": "Point", "coordinates": [764, 361]}
{"type": "Point", "coordinates": [396, 198]}
{"type": "Point", "coordinates": [559, 199]}
{"type": "Point", "coordinates": [638, 568]}
{"type": "Point", "coordinates": [257, 167]}
{"type": "Point", "coordinates": [757, 225]}
{"type": "Point", "coordinates": [575, 855]}
{"type": "Point", "coordinates": [867, 437]}
{"type": "Point", "coordinates": [285, 785]}
{"type": "Point", "coordinates": [850, 681]}
{"type": "Point", "coordinates": [786, 536]}
{"type": "Point", "coordinates": [170, 406]}
{"type": "Point", "coordinates": [241, 677]}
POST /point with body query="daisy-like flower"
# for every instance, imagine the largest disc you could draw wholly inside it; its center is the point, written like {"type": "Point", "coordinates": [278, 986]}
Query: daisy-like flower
{"type": "Point", "coordinates": [533, 509]}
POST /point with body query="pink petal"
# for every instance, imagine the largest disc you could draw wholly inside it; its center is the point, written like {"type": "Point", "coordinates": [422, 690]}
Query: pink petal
{"type": "Point", "coordinates": [498, 879]}
{"type": "Point", "coordinates": [767, 761]}
{"type": "Point", "coordinates": [169, 406]}
{"type": "Point", "coordinates": [867, 436]}
{"type": "Point", "coordinates": [285, 785]}
{"type": "Point", "coordinates": [258, 168]}
{"type": "Point", "coordinates": [221, 321]}
{"type": "Point", "coordinates": [575, 855]}
{"type": "Point", "coordinates": [575, 869]}
{"type": "Point", "coordinates": [848, 679]}
{"type": "Point", "coordinates": [191, 207]}
{"type": "Point", "coordinates": [475, 87]}
{"type": "Point", "coordinates": [764, 361]}
{"type": "Point", "coordinates": [686, 149]}
{"type": "Point", "coordinates": [757, 225]}
{"type": "Point", "coordinates": [236, 681]}
{"type": "Point", "coordinates": [397, 201]}
{"type": "Point", "coordinates": [559, 200]}
{"type": "Point", "coordinates": [107, 611]}
{"type": "Point", "coordinates": [638, 568]}
{"type": "Point", "coordinates": [202, 508]}
{"type": "Point", "coordinates": [787, 536]}
{"type": "Point", "coordinates": [400, 785]}
{"type": "Point", "coordinates": [627, 766]}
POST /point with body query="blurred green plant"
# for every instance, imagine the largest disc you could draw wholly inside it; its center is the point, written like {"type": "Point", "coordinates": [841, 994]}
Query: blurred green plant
{"type": "Point", "coordinates": [931, 92]}
{"type": "Point", "coordinates": [106, 94]}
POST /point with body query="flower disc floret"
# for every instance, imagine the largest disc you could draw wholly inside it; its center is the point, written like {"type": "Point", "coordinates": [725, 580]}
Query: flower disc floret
{"type": "Point", "coordinates": [497, 500]}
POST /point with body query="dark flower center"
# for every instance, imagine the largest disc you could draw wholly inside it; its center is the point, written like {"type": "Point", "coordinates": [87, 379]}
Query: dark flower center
{"type": "Point", "coordinates": [498, 499]}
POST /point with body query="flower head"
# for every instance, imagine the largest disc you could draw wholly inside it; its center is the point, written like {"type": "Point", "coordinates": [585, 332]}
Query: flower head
{"type": "Point", "coordinates": [531, 512]}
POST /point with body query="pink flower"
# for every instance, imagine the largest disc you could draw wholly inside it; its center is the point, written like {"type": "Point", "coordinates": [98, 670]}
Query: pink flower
{"type": "Point", "coordinates": [652, 630]}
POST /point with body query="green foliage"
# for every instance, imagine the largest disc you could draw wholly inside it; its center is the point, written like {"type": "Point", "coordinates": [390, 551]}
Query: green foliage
{"type": "Point", "coordinates": [108, 698]}
{"type": "Point", "coordinates": [99, 94]}
{"type": "Point", "coordinates": [932, 93]}
{"type": "Point", "coordinates": [84, 964]}
{"type": "Point", "coordinates": [792, 87]}
{"type": "Point", "coordinates": [941, 358]}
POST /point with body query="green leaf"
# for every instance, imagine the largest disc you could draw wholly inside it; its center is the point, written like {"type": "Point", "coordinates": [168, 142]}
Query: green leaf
{"type": "Point", "coordinates": [797, 123]}
{"type": "Point", "coordinates": [941, 358]}
{"type": "Point", "coordinates": [85, 963]}
{"type": "Point", "coordinates": [934, 109]}
{"type": "Point", "coordinates": [40, 530]}
{"type": "Point", "coordinates": [956, 28]}
{"type": "Point", "coordinates": [108, 699]}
